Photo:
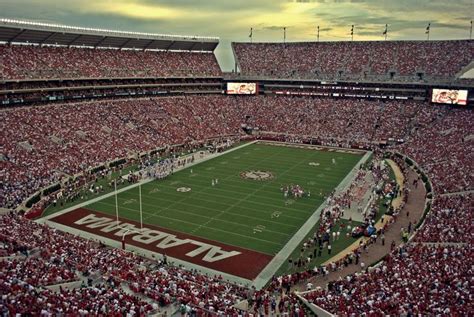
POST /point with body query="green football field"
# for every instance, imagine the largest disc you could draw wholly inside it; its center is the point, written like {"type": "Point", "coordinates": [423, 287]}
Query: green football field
{"type": "Point", "coordinates": [252, 214]}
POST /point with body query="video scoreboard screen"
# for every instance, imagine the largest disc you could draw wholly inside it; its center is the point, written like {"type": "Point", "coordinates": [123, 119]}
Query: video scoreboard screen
{"type": "Point", "coordinates": [241, 88]}
{"type": "Point", "coordinates": [449, 96]}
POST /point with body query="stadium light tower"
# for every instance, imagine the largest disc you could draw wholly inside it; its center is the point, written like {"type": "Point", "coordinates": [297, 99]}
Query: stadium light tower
{"type": "Point", "coordinates": [352, 32]}
{"type": "Point", "coordinates": [318, 31]}
{"type": "Point", "coordinates": [284, 34]}
{"type": "Point", "coordinates": [470, 32]}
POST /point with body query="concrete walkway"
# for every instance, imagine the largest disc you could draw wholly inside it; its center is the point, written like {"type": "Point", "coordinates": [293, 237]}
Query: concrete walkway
{"type": "Point", "coordinates": [395, 203]}
{"type": "Point", "coordinates": [466, 192]}
{"type": "Point", "coordinates": [353, 212]}
{"type": "Point", "coordinates": [412, 212]}
{"type": "Point", "coordinates": [400, 181]}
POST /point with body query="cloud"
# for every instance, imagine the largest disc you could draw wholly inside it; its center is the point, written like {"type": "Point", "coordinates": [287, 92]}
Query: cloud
{"type": "Point", "coordinates": [458, 26]}
{"type": "Point", "coordinates": [275, 27]}
{"type": "Point", "coordinates": [327, 1]}
{"type": "Point", "coordinates": [133, 9]}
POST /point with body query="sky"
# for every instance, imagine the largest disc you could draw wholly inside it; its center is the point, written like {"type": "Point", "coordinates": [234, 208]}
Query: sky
{"type": "Point", "coordinates": [232, 20]}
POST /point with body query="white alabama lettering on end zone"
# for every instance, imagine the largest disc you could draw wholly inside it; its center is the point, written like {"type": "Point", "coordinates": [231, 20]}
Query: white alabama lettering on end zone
{"type": "Point", "coordinates": [148, 236]}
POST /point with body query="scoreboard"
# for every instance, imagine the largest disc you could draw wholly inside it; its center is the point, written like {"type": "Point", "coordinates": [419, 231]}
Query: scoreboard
{"type": "Point", "coordinates": [449, 96]}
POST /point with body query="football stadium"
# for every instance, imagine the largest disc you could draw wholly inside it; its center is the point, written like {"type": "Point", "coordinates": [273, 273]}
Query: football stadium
{"type": "Point", "coordinates": [316, 178]}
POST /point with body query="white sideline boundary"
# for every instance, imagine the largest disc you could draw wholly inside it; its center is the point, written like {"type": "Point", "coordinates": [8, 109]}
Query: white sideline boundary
{"type": "Point", "coordinates": [147, 253]}
{"type": "Point", "coordinates": [143, 252]}
{"type": "Point", "coordinates": [269, 271]}
{"type": "Point", "coordinates": [144, 181]}
{"type": "Point", "coordinates": [266, 274]}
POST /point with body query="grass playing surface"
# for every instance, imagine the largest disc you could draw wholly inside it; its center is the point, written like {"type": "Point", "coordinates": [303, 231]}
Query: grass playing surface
{"type": "Point", "coordinates": [242, 212]}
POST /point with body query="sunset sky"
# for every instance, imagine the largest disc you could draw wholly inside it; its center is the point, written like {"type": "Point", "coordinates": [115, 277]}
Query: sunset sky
{"type": "Point", "coordinates": [232, 20]}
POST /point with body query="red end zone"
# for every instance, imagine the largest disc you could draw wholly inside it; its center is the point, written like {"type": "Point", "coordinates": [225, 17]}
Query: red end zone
{"type": "Point", "coordinates": [207, 253]}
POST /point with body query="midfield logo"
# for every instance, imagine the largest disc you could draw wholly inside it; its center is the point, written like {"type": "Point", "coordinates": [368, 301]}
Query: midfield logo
{"type": "Point", "coordinates": [257, 175]}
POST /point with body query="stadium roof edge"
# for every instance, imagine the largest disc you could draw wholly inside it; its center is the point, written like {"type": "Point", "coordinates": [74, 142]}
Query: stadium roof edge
{"type": "Point", "coordinates": [22, 31]}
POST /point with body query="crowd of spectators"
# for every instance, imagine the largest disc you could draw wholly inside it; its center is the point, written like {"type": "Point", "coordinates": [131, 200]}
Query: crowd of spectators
{"type": "Point", "coordinates": [99, 300]}
{"type": "Point", "coordinates": [441, 144]}
{"type": "Point", "coordinates": [450, 221]}
{"type": "Point", "coordinates": [36, 271]}
{"type": "Point", "coordinates": [42, 62]}
{"type": "Point", "coordinates": [40, 145]}
{"type": "Point", "coordinates": [62, 253]}
{"type": "Point", "coordinates": [355, 60]}
{"type": "Point", "coordinates": [413, 280]}
{"type": "Point", "coordinates": [332, 118]}
{"type": "Point", "coordinates": [342, 60]}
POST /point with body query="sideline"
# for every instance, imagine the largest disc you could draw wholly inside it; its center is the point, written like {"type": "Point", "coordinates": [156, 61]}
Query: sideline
{"type": "Point", "coordinates": [140, 251]}
{"type": "Point", "coordinates": [149, 254]}
{"type": "Point", "coordinates": [142, 182]}
{"type": "Point", "coordinates": [395, 203]}
{"type": "Point", "coordinates": [400, 178]}
{"type": "Point", "coordinates": [269, 271]}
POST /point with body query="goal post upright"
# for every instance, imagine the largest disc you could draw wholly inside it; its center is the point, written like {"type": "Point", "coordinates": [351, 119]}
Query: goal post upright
{"type": "Point", "coordinates": [140, 203]}
{"type": "Point", "coordinates": [116, 202]}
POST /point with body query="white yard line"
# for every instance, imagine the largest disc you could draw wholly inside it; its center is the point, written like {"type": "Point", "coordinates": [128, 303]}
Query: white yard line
{"type": "Point", "coordinates": [145, 181]}
{"type": "Point", "coordinates": [272, 206]}
{"type": "Point", "coordinates": [151, 215]}
{"type": "Point", "coordinates": [249, 195]}
{"type": "Point", "coordinates": [229, 213]}
{"type": "Point", "coordinates": [269, 271]}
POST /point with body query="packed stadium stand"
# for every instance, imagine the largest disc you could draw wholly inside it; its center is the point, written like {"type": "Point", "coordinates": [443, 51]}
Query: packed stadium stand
{"type": "Point", "coordinates": [42, 144]}
{"type": "Point", "coordinates": [63, 257]}
{"type": "Point", "coordinates": [57, 135]}
{"type": "Point", "coordinates": [417, 279]}
{"type": "Point", "coordinates": [450, 221]}
{"type": "Point", "coordinates": [36, 62]}
{"type": "Point", "coordinates": [384, 61]}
